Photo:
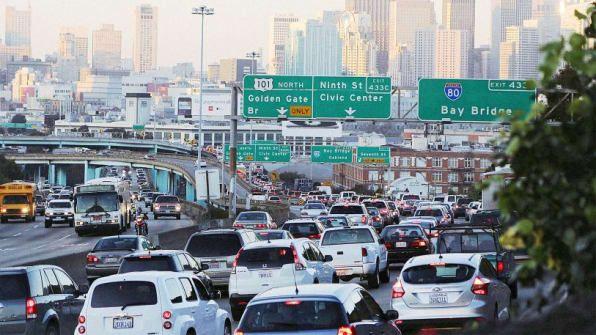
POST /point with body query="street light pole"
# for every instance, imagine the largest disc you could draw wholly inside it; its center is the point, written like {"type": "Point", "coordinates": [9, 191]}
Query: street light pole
{"type": "Point", "coordinates": [203, 11]}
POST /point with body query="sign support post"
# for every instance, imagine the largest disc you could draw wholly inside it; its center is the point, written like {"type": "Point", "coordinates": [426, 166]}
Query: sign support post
{"type": "Point", "coordinates": [233, 145]}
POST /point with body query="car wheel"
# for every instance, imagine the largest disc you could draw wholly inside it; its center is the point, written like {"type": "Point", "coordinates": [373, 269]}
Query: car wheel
{"type": "Point", "coordinates": [513, 288]}
{"type": "Point", "coordinates": [191, 332]}
{"type": "Point", "coordinates": [373, 279]}
{"type": "Point", "coordinates": [48, 224]}
{"type": "Point", "coordinates": [71, 224]}
{"type": "Point", "coordinates": [228, 328]}
{"type": "Point", "coordinates": [335, 279]}
{"type": "Point", "coordinates": [236, 314]}
{"type": "Point", "coordinates": [385, 275]}
{"type": "Point", "coordinates": [3, 220]}
{"type": "Point", "coordinates": [52, 329]}
{"type": "Point", "coordinates": [178, 217]}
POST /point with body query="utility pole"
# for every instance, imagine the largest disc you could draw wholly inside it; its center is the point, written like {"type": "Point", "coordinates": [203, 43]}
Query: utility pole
{"type": "Point", "coordinates": [233, 146]}
{"type": "Point", "coordinates": [203, 11]}
{"type": "Point", "coordinates": [253, 64]}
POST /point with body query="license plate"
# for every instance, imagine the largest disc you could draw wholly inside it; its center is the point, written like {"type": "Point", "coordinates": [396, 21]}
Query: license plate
{"type": "Point", "coordinates": [122, 323]}
{"type": "Point", "coordinates": [265, 274]}
{"type": "Point", "coordinates": [401, 244]}
{"type": "Point", "coordinates": [437, 298]}
{"type": "Point", "coordinates": [214, 265]}
{"type": "Point", "coordinates": [96, 218]}
{"type": "Point", "coordinates": [58, 218]}
{"type": "Point", "coordinates": [110, 260]}
{"type": "Point", "coordinates": [343, 272]}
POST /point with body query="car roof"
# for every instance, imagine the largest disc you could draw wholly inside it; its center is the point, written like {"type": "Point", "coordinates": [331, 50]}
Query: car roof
{"type": "Point", "coordinates": [458, 258]}
{"type": "Point", "coordinates": [348, 227]}
{"type": "Point", "coordinates": [218, 231]}
{"type": "Point", "coordinates": [345, 204]}
{"type": "Point", "coordinates": [305, 220]}
{"type": "Point", "coordinates": [59, 200]}
{"type": "Point", "coordinates": [132, 276]}
{"type": "Point", "coordinates": [118, 237]}
{"type": "Point", "coordinates": [329, 291]}
{"type": "Point", "coordinates": [156, 253]}
{"type": "Point", "coordinates": [263, 212]}
{"type": "Point", "coordinates": [28, 268]}
{"type": "Point", "coordinates": [273, 244]}
{"type": "Point", "coordinates": [430, 207]}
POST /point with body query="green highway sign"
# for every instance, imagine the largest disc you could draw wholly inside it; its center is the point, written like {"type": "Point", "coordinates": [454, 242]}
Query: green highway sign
{"type": "Point", "coordinates": [473, 100]}
{"type": "Point", "coordinates": [331, 154]}
{"type": "Point", "coordinates": [315, 97]}
{"type": "Point", "coordinates": [16, 125]}
{"type": "Point", "coordinates": [272, 153]}
{"type": "Point", "coordinates": [138, 127]}
{"type": "Point", "coordinates": [373, 155]}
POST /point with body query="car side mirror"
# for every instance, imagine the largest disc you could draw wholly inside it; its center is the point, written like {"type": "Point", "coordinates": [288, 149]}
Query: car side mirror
{"type": "Point", "coordinates": [328, 258]}
{"type": "Point", "coordinates": [204, 266]}
{"type": "Point", "coordinates": [83, 289]}
{"type": "Point", "coordinates": [392, 314]}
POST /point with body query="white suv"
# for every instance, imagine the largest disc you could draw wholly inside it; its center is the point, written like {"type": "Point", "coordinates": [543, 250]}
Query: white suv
{"type": "Point", "coordinates": [151, 303]}
{"type": "Point", "coordinates": [263, 265]}
{"type": "Point", "coordinates": [357, 252]}
{"type": "Point", "coordinates": [356, 213]}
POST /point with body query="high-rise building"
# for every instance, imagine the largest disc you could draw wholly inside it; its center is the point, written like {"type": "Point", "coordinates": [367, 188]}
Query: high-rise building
{"type": "Point", "coordinates": [234, 69]}
{"type": "Point", "coordinates": [314, 47]}
{"type": "Point", "coordinates": [359, 51]}
{"type": "Point", "coordinates": [547, 14]}
{"type": "Point", "coordinates": [107, 48]}
{"type": "Point", "coordinates": [505, 13]}
{"type": "Point", "coordinates": [23, 85]}
{"type": "Point", "coordinates": [18, 28]}
{"type": "Point", "coordinates": [278, 35]}
{"type": "Point", "coordinates": [401, 68]}
{"type": "Point", "coordinates": [9, 53]}
{"type": "Point", "coordinates": [73, 43]}
{"type": "Point", "coordinates": [460, 15]}
{"type": "Point", "coordinates": [213, 73]}
{"type": "Point", "coordinates": [405, 18]}
{"type": "Point", "coordinates": [424, 53]}
{"type": "Point", "coordinates": [519, 53]}
{"type": "Point", "coordinates": [145, 40]}
{"type": "Point", "coordinates": [452, 53]}
{"type": "Point", "coordinates": [379, 13]}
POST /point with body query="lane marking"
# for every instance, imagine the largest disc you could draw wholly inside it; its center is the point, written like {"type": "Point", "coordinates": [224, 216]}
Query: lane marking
{"type": "Point", "coordinates": [36, 226]}
{"type": "Point", "coordinates": [63, 237]}
{"type": "Point", "coordinates": [17, 234]}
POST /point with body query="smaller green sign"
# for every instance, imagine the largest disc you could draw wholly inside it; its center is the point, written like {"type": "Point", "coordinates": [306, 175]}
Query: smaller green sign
{"type": "Point", "coordinates": [272, 153]}
{"type": "Point", "coordinates": [373, 155]}
{"type": "Point", "coordinates": [244, 152]}
{"type": "Point", "coordinates": [331, 154]}
{"type": "Point", "coordinates": [138, 127]}
{"type": "Point", "coordinates": [16, 125]}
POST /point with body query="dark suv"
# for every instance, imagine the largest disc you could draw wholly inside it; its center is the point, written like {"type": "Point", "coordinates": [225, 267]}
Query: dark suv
{"type": "Point", "coordinates": [39, 299]}
{"type": "Point", "coordinates": [217, 248]}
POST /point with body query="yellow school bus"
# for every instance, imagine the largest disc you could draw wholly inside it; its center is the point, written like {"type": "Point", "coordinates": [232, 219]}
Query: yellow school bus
{"type": "Point", "coordinates": [17, 201]}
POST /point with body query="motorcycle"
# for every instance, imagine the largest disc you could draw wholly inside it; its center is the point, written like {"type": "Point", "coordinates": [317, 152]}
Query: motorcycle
{"type": "Point", "coordinates": [141, 226]}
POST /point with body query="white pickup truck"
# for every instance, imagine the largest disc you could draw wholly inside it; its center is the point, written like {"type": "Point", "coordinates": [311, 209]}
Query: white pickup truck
{"type": "Point", "coordinates": [357, 252]}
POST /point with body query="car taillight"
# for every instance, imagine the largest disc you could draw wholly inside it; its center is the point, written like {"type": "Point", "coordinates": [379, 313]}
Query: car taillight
{"type": "Point", "coordinates": [166, 315]}
{"type": "Point", "coordinates": [82, 319]}
{"type": "Point", "coordinates": [363, 219]}
{"type": "Point", "coordinates": [167, 325]}
{"type": "Point", "coordinates": [261, 225]}
{"type": "Point", "coordinates": [384, 211]}
{"type": "Point", "coordinates": [92, 259]}
{"type": "Point", "coordinates": [480, 286]}
{"type": "Point", "coordinates": [418, 244]}
{"type": "Point", "coordinates": [314, 236]}
{"type": "Point", "coordinates": [297, 264]}
{"type": "Point", "coordinates": [398, 290]}
{"type": "Point", "coordinates": [376, 219]}
{"type": "Point", "coordinates": [389, 245]}
{"type": "Point", "coordinates": [81, 329]}
{"type": "Point", "coordinates": [500, 267]}
{"type": "Point", "coordinates": [235, 263]}
{"type": "Point", "coordinates": [346, 330]}
{"type": "Point", "coordinates": [238, 332]}
{"type": "Point", "coordinates": [30, 308]}
{"type": "Point", "coordinates": [237, 225]}
{"type": "Point", "coordinates": [364, 252]}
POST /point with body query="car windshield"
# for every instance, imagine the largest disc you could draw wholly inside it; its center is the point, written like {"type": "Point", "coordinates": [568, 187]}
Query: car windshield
{"type": "Point", "coordinates": [146, 263]}
{"type": "Point", "coordinates": [403, 231]}
{"type": "Point", "coordinates": [292, 316]}
{"type": "Point", "coordinates": [14, 287]}
{"type": "Point", "coordinates": [346, 210]}
{"type": "Point", "coordinates": [15, 200]}
{"type": "Point", "coordinates": [429, 212]}
{"type": "Point", "coordinates": [59, 204]}
{"type": "Point", "coordinates": [124, 293]}
{"type": "Point", "coordinates": [438, 274]}
{"type": "Point", "coordinates": [246, 216]}
{"type": "Point", "coordinates": [166, 199]}
{"type": "Point", "coordinates": [347, 236]}
{"type": "Point", "coordinates": [211, 245]}
{"type": "Point", "coordinates": [466, 242]}
{"type": "Point", "coordinates": [334, 222]}
{"type": "Point", "coordinates": [314, 206]}
{"type": "Point", "coordinates": [269, 235]}
{"type": "Point", "coordinates": [301, 229]}
{"type": "Point", "coordinates": [122, 243]}
{"type": "Point", "coordinates": [97, 202]}
{"type": "Point", "coordinates": [263, 258]}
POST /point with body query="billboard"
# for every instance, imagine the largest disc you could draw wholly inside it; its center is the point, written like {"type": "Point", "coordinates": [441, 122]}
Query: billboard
{"type": "Point", "coordinates": [185, 107]}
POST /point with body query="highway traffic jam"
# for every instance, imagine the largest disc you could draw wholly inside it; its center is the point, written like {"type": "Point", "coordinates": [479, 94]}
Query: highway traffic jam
{"type": "Point", "coordinates": [320, 272]}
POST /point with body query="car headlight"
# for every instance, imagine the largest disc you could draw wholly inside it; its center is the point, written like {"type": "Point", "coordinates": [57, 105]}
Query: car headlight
{"type": "Point", "coordinates": [49, 213]}
{"type": "Point", "coordinates": [116, 219]}
{"type": "Point", "coordinates": [25, 210]}
{"type": "Point", "coordinates": [78, 223]}
{"type": "Point", "coordinates": [177, 207]}
{"type": "Point", "coordinates": [3, 210]}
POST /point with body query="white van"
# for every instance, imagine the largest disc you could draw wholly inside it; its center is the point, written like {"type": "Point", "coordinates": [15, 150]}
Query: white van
{"type": "Point", "coordinates": [151, 302]}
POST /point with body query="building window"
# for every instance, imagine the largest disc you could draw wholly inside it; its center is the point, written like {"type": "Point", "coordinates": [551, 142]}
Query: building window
{"type": "Point", "coordinates": [404, 161]}
{"type": "Point", "coordinates": [468, 177]}
{"type": "Point", "coordinates": [437, 176]}
{"type": "Point", "coordinates": [452, 177]}
{"type": "Point", "coordinates": [453, 163]}
{"type": "Point", "coordinates": [484, 163]}
{"type": "Point", "coordinates": [468, 163]}
{"type": "Point", "coordinates": [437, 162]}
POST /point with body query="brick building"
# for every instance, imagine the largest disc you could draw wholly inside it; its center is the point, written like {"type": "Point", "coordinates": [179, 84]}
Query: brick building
{"type": "Point", "coordinates": [455, 171]}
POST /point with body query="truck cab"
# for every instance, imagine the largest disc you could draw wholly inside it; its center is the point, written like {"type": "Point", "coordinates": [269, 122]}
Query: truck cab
{"type": "Point", "coordinates": [17, 201]}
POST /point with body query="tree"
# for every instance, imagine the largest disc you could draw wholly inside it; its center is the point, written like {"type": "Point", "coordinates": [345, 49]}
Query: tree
{"type": "Point", "coordinates": [553, 190]}
{"type": "Point", "coordinates": [9, 171]}
{"type": "Point", "coordinates": [18, 118]}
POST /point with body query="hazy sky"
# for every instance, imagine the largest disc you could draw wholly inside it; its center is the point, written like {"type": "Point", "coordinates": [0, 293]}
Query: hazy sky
{"type": "Point", "coordinates": [238, 26]}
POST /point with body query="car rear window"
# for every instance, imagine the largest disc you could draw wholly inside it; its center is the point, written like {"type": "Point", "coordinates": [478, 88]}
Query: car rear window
{"type": "Point", "coordinates": [402, 232]}
{"type": "Point", "coordinates": [466, 242]}
{"type": "Point", "coordinates": [410, 197]}
{"type": "Point", "coordinates": [264, 236]}
{"type": "Point", "coordinates": [314, 206]}
{"type": "Point", "coordinates": [301, 229]}
{"type": "Point", "coordinates": [166, 199]}
{"type": "Point", "coordinates": [122, 243]}
{"type": "Point", "coordinates": [377, 204]}
{"type": "Point", "coordinates": [346, 210]}
{"type": "Point", "coordinates": [149, 263]}
{"type": "Point", "coordinates": [213, 245]}
{"type": "Point", "coordinates": [347, 236]}
{"type": "Point", "coordinates": [262, 258]}
{"type": "Point", "coordinates": [13, 287]}
{"type": "Point", "coordinates": [119, 294]}
{"type": "Point", "coordinates": [293, 315]}
{"type": "Point", "coordinates": [252, 217]}
{"type": "Point", "coordinates": [464, 201]}
{"type": "Point", "coordinates": [438, 274]}
{"type": "Point", "coordinates": [429, 212]}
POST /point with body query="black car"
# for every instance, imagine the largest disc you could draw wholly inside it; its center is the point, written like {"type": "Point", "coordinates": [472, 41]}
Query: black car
{"type": "Point", "coordinates": [167, 260]}
{"type": "Point", "coordinates": [40, 299]}
{"type": "Point", "coordinates": [460, 207]}
{"type": "Point", "coordinates": [405, 241]}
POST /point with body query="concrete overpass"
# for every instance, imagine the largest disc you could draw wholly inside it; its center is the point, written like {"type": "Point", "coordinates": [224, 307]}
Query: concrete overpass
{"type": "Point", "coordinates": [154, 146]}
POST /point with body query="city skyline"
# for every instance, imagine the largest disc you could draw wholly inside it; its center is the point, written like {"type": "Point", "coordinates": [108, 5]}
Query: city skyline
{"type": "Point", "coordinates": [46, 28]}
